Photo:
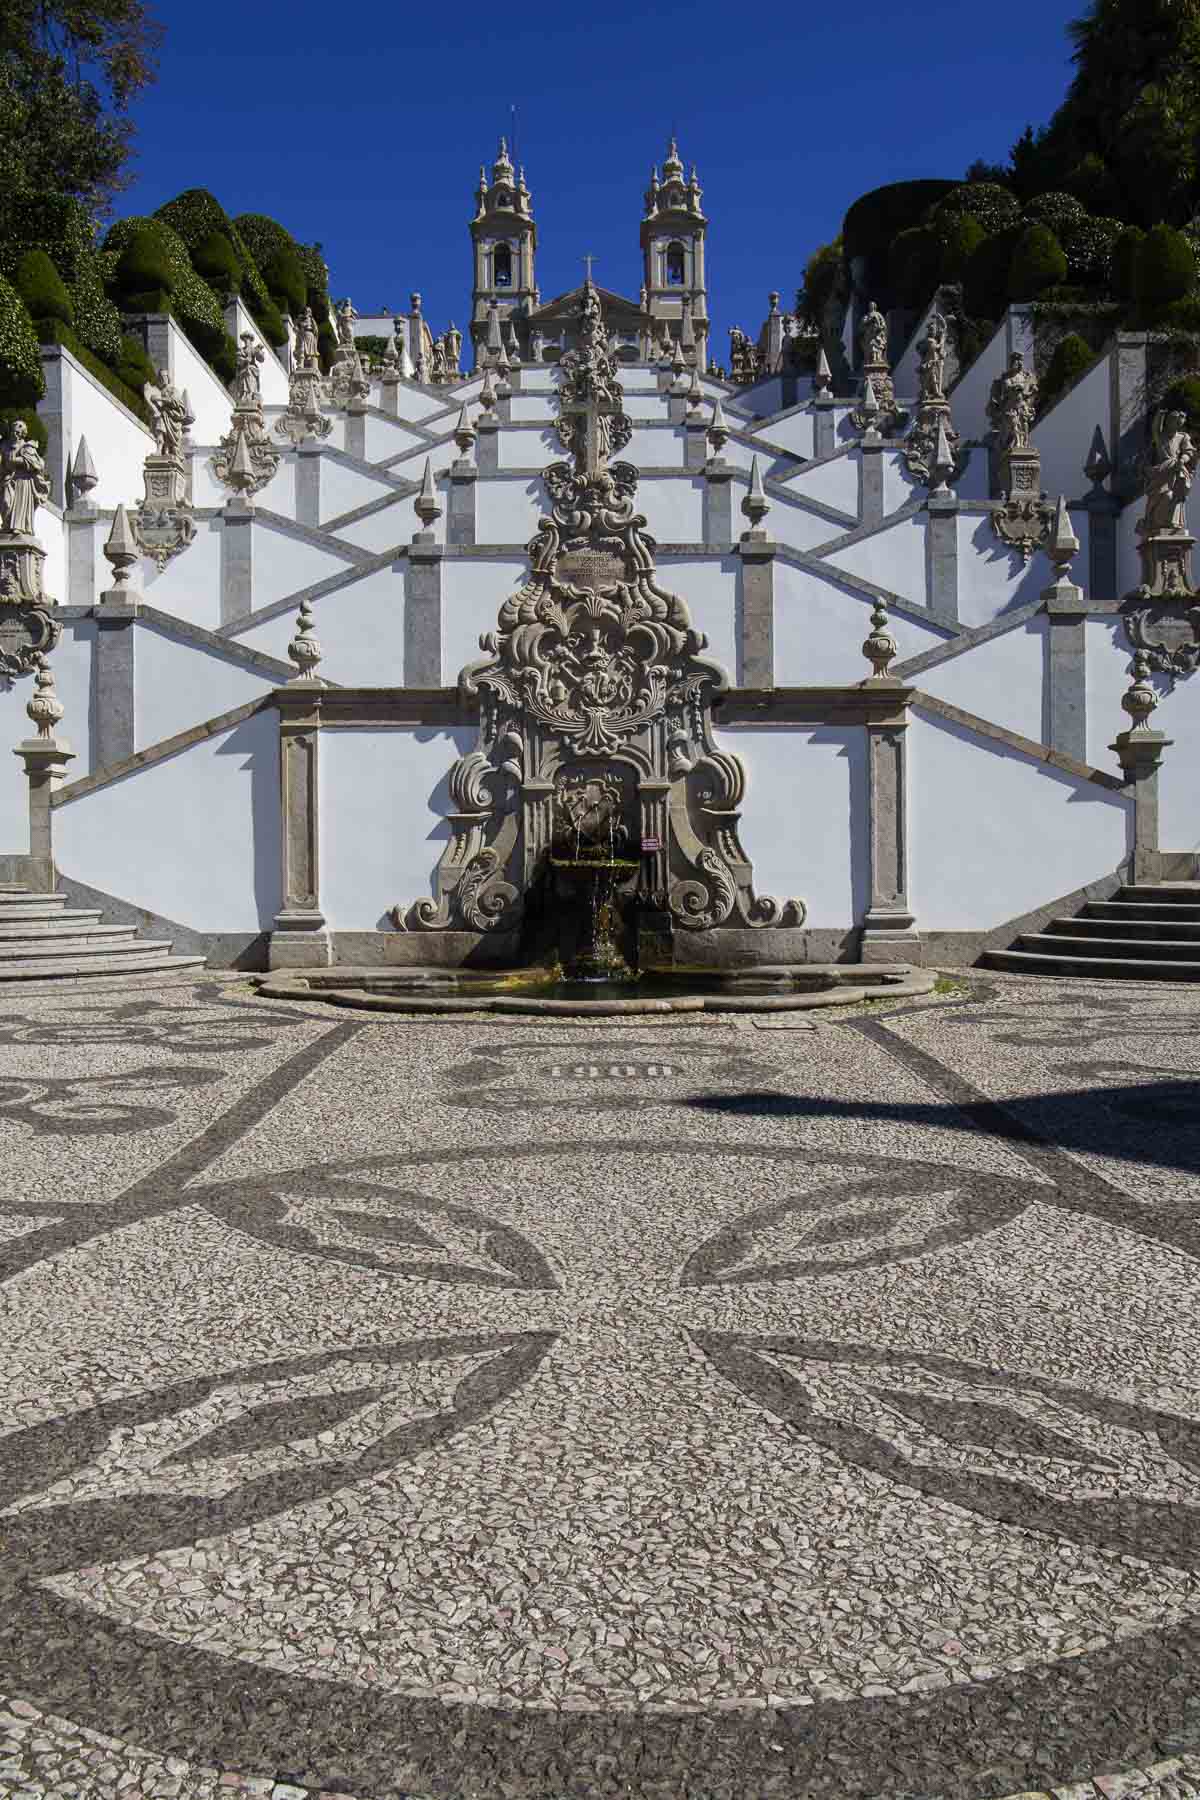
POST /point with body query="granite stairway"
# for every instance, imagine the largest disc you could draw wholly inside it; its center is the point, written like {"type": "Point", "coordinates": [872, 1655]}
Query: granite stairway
{"type": "Point", "coordinates": [42, 940]}
{"type": "Point", "coordinates": [1145, 933]}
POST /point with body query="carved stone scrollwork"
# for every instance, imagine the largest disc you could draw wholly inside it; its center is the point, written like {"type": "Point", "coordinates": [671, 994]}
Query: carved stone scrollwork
{"type": "Point", "coordinates": [1162, 615]}
{"type": "Point", "coordinates": [595, 685]}
{"type": "Point", "coordinates": [246, 459]}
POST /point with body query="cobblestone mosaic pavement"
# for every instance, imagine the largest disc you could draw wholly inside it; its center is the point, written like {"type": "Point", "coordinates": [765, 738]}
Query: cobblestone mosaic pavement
{"type": "Point", "coordinates": [703, 1408]}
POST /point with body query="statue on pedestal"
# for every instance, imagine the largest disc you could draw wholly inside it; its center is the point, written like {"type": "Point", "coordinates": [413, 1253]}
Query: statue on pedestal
{"type": "Point", "coordinates": [27, 629]}
{"type": "Point", "coordinates": [1012, 405]}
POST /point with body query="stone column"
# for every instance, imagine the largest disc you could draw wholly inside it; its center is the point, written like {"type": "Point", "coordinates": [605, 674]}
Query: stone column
{"type": "Point", "coordinates": [870, 499]}
{"type": "Point", "coordinates": [356, 429]}
{"type": "Point", "coordinates": [423, 614]}
{"type": "Point", "coordinates": [308, 483]}
{"type": "Point", "coordinates": [757, 610]}
{"type": "Point", "coordinates": [300, 936]}
{"type": "Point", "coordinates": [460, 515]}
{"type": "Point", "coordinates": [115, 677]}
{"type": "Point", "coordinates": [718, 501]}
{"type": "Point", "coordinates": [45, 760]}
{"type": "Point", "coordinates": [1066, 610]}
{"type": "Point", "coordinates": [695, 441]}
{"type": "Point", "coordinates": [941, 552]}
{"type": "Point", "coordinates": [1140, 752]}
{"type": "Point", "coordinates": [824, 438]}
{"type": "Point", "coordinates": [81, 522]}
{"type": "Point", "coordinates": [487, 448]}
{"type": "Point", "coordinates": [889, 932]}
{"type": "Point", "coordinates": [237, 559]}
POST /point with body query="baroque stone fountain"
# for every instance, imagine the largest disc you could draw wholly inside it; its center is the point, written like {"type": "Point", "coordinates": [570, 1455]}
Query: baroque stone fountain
{"type": "Point", "coordinates": [594, 830]}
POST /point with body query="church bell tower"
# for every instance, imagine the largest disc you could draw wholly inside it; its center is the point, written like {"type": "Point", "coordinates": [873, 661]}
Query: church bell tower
{"type": "Point", "coordinates": [672, 236]}
{"type": "Point", "coordinates": [504, 241]}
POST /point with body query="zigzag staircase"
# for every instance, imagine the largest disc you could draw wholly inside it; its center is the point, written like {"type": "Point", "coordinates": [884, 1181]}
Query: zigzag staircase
{"type": "Point", "coordinates": [40, 940]}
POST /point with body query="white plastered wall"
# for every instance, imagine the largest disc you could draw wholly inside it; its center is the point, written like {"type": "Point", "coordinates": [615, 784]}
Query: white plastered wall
{"type": "Point", "coordinates": [834, 483]}
{"type": "Point", "coordinates": [994, 833]}
{"type": "Point", "coordinates": [893, 558]}
{"type": "Point", "coordinates": [1002, 680]}
{"type": "Point", "coordinates": [284, 564]}
{"type": "Point", "coordinates": [178, 685]}
{"type": "Point", "coordinates": [1108, 657]}
{"type": "Point", "coordinates": [212, 407]}
{"type": "Point", "coordinates": [1064, 435]}
{"type": "Point", "coordinates": [387, 437]}
{"type": "Point", "coordinates": [118, 442]}
{"type": "Point", "coordinates": [819, 631]}
{"type": "Point", "coordinates": [507, 512]}
{"type": "Point", "coordinates": [194, 837]}
{"type": "Point", "coordinates": [992, 578]}
{"type": "Point", "coordinates": [804, 816]}
{"type": "Point", "coordinates": [794, 432]}
{"type": "Point", "coordinates": [73, 683]}
{"type": "Point", "coordinates": [473, 591]}
{"type": "Point", "coordinates": [391, 525]}
{"type": "Point", "coordinates": [709, 588]}
{"type": "Point", "coordinates": [384, 800]}
{"type": "Point", "coordinates": [674, 509]}
{"type": "Point", "coordinates": [343, 489]}
{"type": "Point", "coordinates": [190, 585]}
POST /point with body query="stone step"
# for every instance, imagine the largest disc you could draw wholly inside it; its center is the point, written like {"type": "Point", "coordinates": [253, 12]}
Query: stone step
{"type": "Point", "coordinates": [1119, 968]}
{"type": "Point", "coordinates": [1163, 893]}
{"type": "Point", "coordinates": [47, 948]}
{"type": "Point", "coordinates": [1115, 926]}
{"type": "Point", "coordinates": [1155, 949]}
{"type": "Point", "coordinates": [38, 967]}
{"type": "Point", "coordinates": [1140, 909]}
{"type": "Point", "coordinates": [63, 925]}
{"type": "Point", "coordinates": [19, 905]}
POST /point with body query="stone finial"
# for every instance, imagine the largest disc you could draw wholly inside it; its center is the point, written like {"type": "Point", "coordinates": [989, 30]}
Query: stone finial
{"type": "Point", "coordinates": [943, 462]}
{"type": "Point", "coordinates": [122, 551]}
{"type": "Point", "coordinates": [44, 706]}
{"type": "Point", "coordinates": [513, 343]}
{"type": "Point", "coordinates": [464, 431]}
{"type": "Point", "coordinates": [695, 394]}
{"type": "Point", "coordinates": [242, 475]}
{"type": "Point", "coordinates": [1062, 546]}
{"type": "Point", "coordinates": [1098, 466]}
{"type": "Point", "coordinates": [822, 374]}
{"type": "Point", "coordinates": [487, 393]}
{"type": "Point", "coordinates": [869, 405]}
{"type": "Point", "coordinates": [1139, 699]}
{"type": "Point", "coordinates": [880, 647]}
{"type": "Point", "coordinates": [304, 650]}
{"type": "Point", "coordinates": [83, 473]}
{"type": "Point", "coordinates": [189, 417]}
{"type": "Point", "coordinates": [755, 505]}
{"type": "Point", "coordinates": [426, 504]}
{"type": "Point", "coordinates": [718, 431]}
{"type": "Point", "coordinates": [678, 365]}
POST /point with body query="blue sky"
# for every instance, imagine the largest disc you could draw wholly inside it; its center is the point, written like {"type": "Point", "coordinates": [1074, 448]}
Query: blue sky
{"type": "Point", "coordinates": [365, 130]}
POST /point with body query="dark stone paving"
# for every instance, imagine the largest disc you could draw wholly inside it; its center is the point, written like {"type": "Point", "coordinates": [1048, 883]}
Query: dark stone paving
{"type": "Point", "coordinates": [710, 1409]}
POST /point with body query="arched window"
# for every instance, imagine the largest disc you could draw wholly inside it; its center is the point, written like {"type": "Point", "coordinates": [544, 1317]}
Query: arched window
{"type": "Point", "coordinates": [502, 266]}
{"type": "Point", "coordinates": [675, 265]}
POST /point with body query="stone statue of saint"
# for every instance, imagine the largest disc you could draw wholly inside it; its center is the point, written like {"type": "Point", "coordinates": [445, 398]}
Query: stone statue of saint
{"type": "Point", "coordinates": [1169, 475]}
{"type": "Point", "coordinates": [932, 350]}
{"type": "Point", "coordinates": [346, 316]}
{"type": "Point", "coordinates": [246, 391]}
{"type": "Point", "coordinates": [1012, 405]}
{"type": "Point", "coordinates": [439, 359]}
{"type": "Point", "coordinates": [873, 336]}
{"type": "Point", "coordinates": [168, 415]}
{"type": "Point", "coordinates": [24, 484]}
{"type": "Point", "coordinates": [453, 349]}
{"type": "Point", "coordinates": [306, 340]}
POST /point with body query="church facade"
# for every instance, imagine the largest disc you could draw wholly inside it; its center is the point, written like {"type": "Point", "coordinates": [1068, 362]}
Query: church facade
{"type": "Point", "coordinates": [894, 674]}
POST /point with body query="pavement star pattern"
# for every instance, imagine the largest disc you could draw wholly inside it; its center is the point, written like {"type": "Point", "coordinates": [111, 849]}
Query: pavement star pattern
{"type": "Point", "coordinates": [703, 1409]}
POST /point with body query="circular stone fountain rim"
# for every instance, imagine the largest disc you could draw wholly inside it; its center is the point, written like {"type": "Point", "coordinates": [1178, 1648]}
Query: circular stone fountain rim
{"type": "Point", "coordinates": [339, 987]}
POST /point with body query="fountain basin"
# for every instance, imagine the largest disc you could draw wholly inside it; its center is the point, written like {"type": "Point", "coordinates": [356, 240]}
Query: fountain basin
{"type": "Point", "coordinates": [543, 992]}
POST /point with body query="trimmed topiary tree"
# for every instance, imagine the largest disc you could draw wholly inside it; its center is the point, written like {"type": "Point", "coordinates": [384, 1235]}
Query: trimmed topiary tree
{"type": "Point", "coordinates": [43, 290]}
{"type": "Point", "coordinates": [1126, 251]}
{"type": "Point", "coordinates": [194, 216]}
{"type": "Point", "coordinates": [133, 366]}
{"type": "Point", "coordinates": [1073, 356]}
{"type": "Point", "coordinates": [963, 238]}
{"type": "Point", "coordinates": [994, 206]}
{"type": "Point", "coordinates": [21, 381]}
{"type": "Point", "coordinates": [1184, 396]}
{"type": "Point", "coordinates": [1038, 262]}
{"type": "Point", "coordinates": [1056, 210]}
{"type": "Point", "coordinates": [985, 278]}
{"type": "Point", "coordinates": [1164, 269]}
{"type": "Point", "coordinates": [915, 265]}
{"type": "Point", "coordinates": [216, 260]}
{"type": "Point", "coordinates": [286, 281]}
{"type": "Point", "coordinates": [145, 276]}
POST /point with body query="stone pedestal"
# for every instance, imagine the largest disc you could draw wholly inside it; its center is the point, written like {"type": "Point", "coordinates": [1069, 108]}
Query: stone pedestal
{"type": "Point", "coordinates": [115, 677]}
{"type": "Point", "coordinates": [824, 425]}
{"type": "Point", "coordinates": [1140, 753]}
{"type": "Point", "coordinates": [889, 932]}
{"type": "Point", "coordinates": [423, 614]}
{"type": "Point", "coordinates": [163, 523]}
{"type": "Point", "coordinates": [308, 483]}
{"type": "Point", "coordinates": [487, 446]}
{"type": "Point", "coordinates": [941, 550]}
{"type": "Point", "coordinates": [870, 510]}
{"type": "Point", "coordinates": [237, 560]}
{"type": "Point", "coordinates": [356, 429]}
{"type": "Point", "coordinates": [300, 937]}
{"type": "Point", "coordinates": [45, 760]}
{"type": "Point", "coordinates": [460, 516]}
{"type": "Point", "coordinates": [1067, 612]}
{"type": "Point", "coordinates": [718, 501]}
{"type": "Point", "coordinates": [757, 610]}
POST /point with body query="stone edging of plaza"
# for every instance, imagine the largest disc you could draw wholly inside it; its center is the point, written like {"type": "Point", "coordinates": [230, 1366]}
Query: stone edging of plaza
{"type": "Point", "coordinates": [374, 990]}
{"type": "Point", "coordinates": [1173, 1778]}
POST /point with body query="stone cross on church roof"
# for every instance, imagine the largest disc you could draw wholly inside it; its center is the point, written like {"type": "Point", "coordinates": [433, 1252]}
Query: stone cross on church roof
{"type": "Point", "coordinates": [592, 420]}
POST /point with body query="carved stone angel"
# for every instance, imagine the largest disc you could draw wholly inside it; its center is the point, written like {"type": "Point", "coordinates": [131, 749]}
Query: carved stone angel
{"type": "Point", "coordinates": [1012, 405]}
{"type": "Point", "coordinates": [1169, 475]}
{"type": "Point", "coordinates": [932, 349]}
{"type": "Point", "coordinates": [873, 336]}
{"type": "Point", "coordinates": [168, 414]}
{"type": "Point", "coordinates": [24, 484]}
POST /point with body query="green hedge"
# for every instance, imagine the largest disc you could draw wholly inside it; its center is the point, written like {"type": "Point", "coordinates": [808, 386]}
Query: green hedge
{"type": "Point", "coordinates": [959, 245]}
{"type": "Point", "coordinates": [286, 281]}
{"type": "Point", "coordinates": [1038, 262]}
{"type": "Point", "coordinates": [55, 223]}
{"type": "Point", "coordinates": [21, 380]}
{"type": "Point", "coordinates": [1059, 212]}
{"type": "Point", "coordinates": [993, 205]}
{"type": "Point", "coordinates": [915, 265]}
{"type": "Point", "coordinates": [1072, 357]}
{"type": "Point", "coordinates": [877, 217]}
{"type": "Point", "coordinates": [195, 216]}
{"type": "Point", "coordinates": [97, 320]}
{"type": "Point", "coordinates": [1184, 397]}
{"type": "Point", "coordinates": [133, 366]}
{"type": "Point", "coordinates": [1164, 269]}
{"type": "Point", "coordinates": [985, 278]}
{"type": "Point", "coordinates": [1126, 251]}
{"type": "Point", "coordinates": [215, 258]}
{"type": "Point", "coordinates": [43, 289]}
{"type": "Point", "coordinates": [52, 332]}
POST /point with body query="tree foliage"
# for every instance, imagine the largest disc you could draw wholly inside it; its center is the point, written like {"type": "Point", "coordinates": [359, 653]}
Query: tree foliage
{"type": "Point", "coordinates": [69, 70]}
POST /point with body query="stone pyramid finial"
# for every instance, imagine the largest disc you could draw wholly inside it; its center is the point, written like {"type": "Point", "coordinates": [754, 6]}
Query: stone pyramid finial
{"type": "Point", "coordinates": [464, 431]}
{"type": "Point", "coordinates": [1098, 466]}
{"type": "Point", "coordinates": [943, 460]}
{"type": "Point", "coordinates": [822, 374]}
{"type": "Point", "coordinates": [695, 393]}
{"type": "Point", "coordinates": [718, 430]}
{"type": "Point", "coordinates": [426, 504]}
{"type": "Point", "coordinates": [242, 474]}
{"type": "Point", "coordinates": [755, 505]}
{"type": "Point", "coordinates": [487, 393]}
{"type": "Point", "coordinates": [121, 550]}
{"type": "Point", "coordinates": [870, 402]}
{"type": "Point", "coordinates": [83, 472]}
{"type": "Point", "coordinates": [1063, 545]}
